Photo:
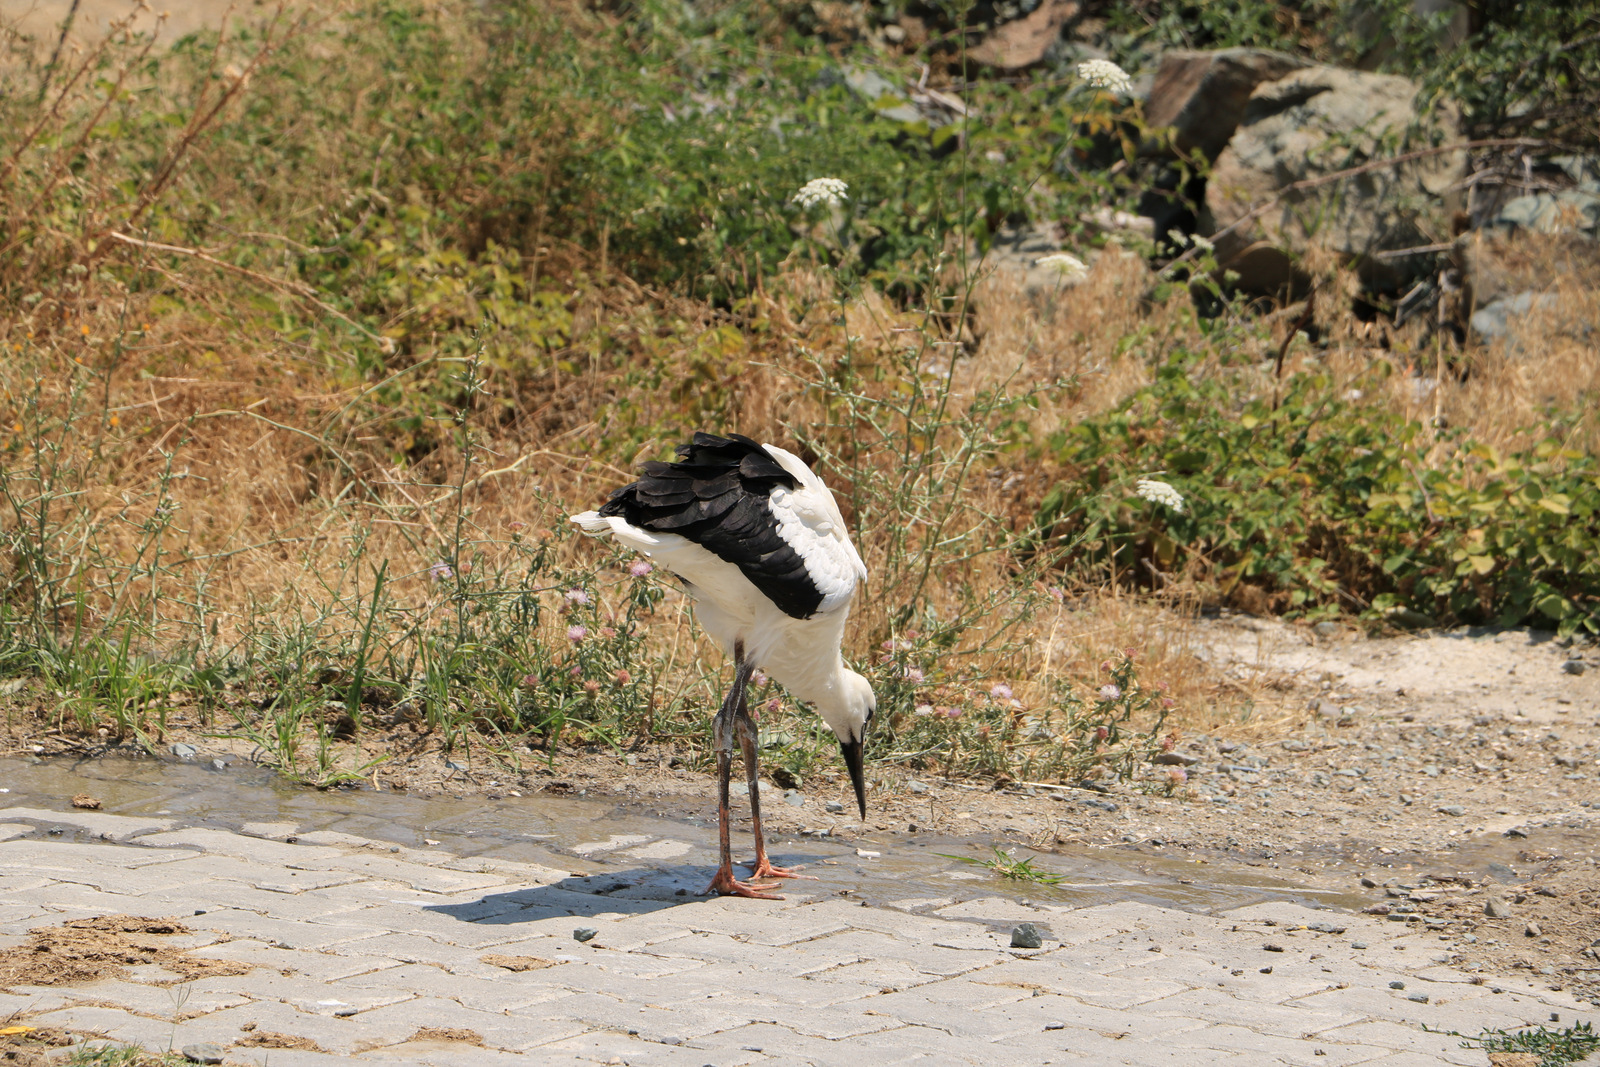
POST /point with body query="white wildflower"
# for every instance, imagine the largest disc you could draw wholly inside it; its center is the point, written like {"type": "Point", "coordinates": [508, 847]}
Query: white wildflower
{"type": "Point", "coordinates": [828, 191]}
{"type": "Point", "coordinates": [1202, 242]}
{"type": "Point", "coordinates": [1104, 74]}
{"type": "Point", "coordinates": [1159, 493]}
{"type": "Point", "coordinates": [1070, 267]}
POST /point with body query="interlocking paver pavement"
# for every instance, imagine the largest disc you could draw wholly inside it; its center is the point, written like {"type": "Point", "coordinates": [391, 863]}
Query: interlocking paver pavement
{"type": "Point", "coordinates": [357, 945]}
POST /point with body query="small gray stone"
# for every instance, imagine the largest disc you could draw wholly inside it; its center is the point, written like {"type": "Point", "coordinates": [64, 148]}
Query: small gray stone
{"type": "Point", "coordinates": [833, 806]}
{"type": "Point", "coordinates": [1420, 998]}
{"type": "Point", "coordinates": [1496, 908]}
{"type": "Point", "coordinates": [1026, 935]}
{"type": "Point", "coordinates": [1533, 930]}
{"type": "Point", "coordinates": [585, 933]}
{"type": "Point", "coordinates": [1574, 666]}
{"type": "Point", "coordinates": [916, 786]}
{"type": "Point", "coordinates": [1325, 629]}
{"type": "Point", "coordinates": [1326, 928]}
{"type": "Point", "coordinates": [1453, 809]}
{"type": "Point", "coordinates": [794, 799]}
{"type": "Point", "coordinates": [219, 764]}
{"type": "Point", "coordinates": [1175, 759]}
{"type": "Point", "coordinates": [1358, 944]}
{"type": "Point", "coordinates": [204, 1052]}
{"type": "Point", "coordinates": [1397, 985]}
{"type": "Point", "coordinates": [185, 751]}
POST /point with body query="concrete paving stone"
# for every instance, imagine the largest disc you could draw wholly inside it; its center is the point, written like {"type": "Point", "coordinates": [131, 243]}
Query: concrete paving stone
{"type": "Point", "coordinates": [340, 1036]}
{"type": "Point", "coordinates": [420, 979]}
{"type": "Point", "coordinates": [112, 1023]}
{"type": "Point", "coordinates": [649, 1020]}
{"type": "Point", "coordinates": [882, 975]}
{"type": "Point", "coordinates": [1287, 981]}
{"type": "Point", "coordinates": [1102, 1047]}
{"type": "Point", "coordinates": [30, 856]}
{"type": "Point", "coordinates": [304, 933]}
{"type": "Point", "coordinates": [22, 882]}
{"type": "Point", "coordinates": [267, 853]}
{"type": "Point", "coordinates": [837, 1022]}
{"type": "Point", "coordinates": [809, 958]}
{"type": "Point", "coordinates": [206, 869]}
{"type": "Point", "coordinates": [757, 925]}
{"type": "Point", "coordinates": [784, 1045]}
{"type": "Point", "coordinates": [440, 1054]}
{"type": "Point", "coordinates": [433, 923]}
{"type": "Point", "coordinates": [1313, 1052]}
{"type": "Point", "coordinates": [1392, 1005]}
{"type": "Point", "coordinates": [100, 824]}
{"type": "Point", "coordinates": [276, 830]}
{"type": "Point", "coordinates": [214, 896]}
{"type": "Point", "coordinates": [1408, 1037]}
{"type": "Point", "coordinates": [304, 963]}
{"type": "Point", "coordinates": [855, 945]}
{"type": "Point", "coordinates": [283, 1057]}
{"type": "Point", "coordinates": [414, 948]}
{"type": "Point", "coordinates": [24, 999]}
{"type": "Point", "coordinates": [605, 1046]}
{"type": "Point", "coordinates": [1105, 990]}
{"type": "Point", "coordinates": [1123, 916]}
{"type": "Point", "coordinates": [627, 935]}
{"type": "Point", "coordinates": [766, 988]}
{"type": "Point", "coordinates": [617, 964]}
{"type": "Point", "coordinates": [415, 875]}
{"type": "Point", "coordinates": [157, 1002]}
{"type": "Point", "coordinates": [17, 919]}
{"type": "Point", "coordinates": [303, 994]}
{"type": "Point", "coordinates": [9, 831]}
{"type": "Point", "coordinates": [1035, 1013]}
{"type": "Point", "coordinates": [1218, 1006]}
{"type": "Point", "coordinates": [119, 882]}
{"type": "Point", "coordinates": [917, 928]}
{"type": "Point", "coordinates": [995, 910]}
{"type": "Point", "coordinates": [498, 1029]}
{"type": "Point", "coordinates": [514, 871]}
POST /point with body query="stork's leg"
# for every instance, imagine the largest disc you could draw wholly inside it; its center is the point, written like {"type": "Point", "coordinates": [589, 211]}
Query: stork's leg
{"type": "Point", "coordinates": [724, 882]}
{"type": "Point", "coordinates": [746, 726]}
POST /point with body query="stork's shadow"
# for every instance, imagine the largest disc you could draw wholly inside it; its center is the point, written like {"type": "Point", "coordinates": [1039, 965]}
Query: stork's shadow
{"type": "Point", "coordinates": [637, 891]}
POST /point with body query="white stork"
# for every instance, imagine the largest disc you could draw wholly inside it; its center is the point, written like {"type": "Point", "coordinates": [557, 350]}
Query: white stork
{"type": "Point", "coordinates": [757, 540]}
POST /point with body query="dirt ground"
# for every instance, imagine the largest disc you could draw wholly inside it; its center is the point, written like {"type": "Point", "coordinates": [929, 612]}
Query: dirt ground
{"type": "Point", "coordinates": [1447, 779]}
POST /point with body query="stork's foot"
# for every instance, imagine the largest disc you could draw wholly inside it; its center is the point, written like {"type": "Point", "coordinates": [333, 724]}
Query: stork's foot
{"type": "Point", "coordinates": [763, 868]}
{"type": "Point", "coordinates": [725, 884]}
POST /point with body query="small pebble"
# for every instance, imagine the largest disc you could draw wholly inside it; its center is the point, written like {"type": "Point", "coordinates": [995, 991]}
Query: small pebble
{"type": "Point", "coordinates": [1420, 998]}
{"type": "Point", "coordinates": [1358, 944]}
{"type": "Point", "coordinates": [1397, 985]}
{"type": "Point", "coordinates": [1026, 935]}
{"type": "Point", "coordinates": [1453, 809]}
{"type": "Point", "coordinates": [833, 806]}
{"type": "Point", "coordinates": [1574, 666]}
{"type": "Point", "coordinates": [1496, 908]}
{"type": "Point", "coordinates": [1273, 948]}
{"type": "Point", "coordinates": [185, 751]}
{"type": "Point", "coordinates": [219, 764]}
{"type": "Point", "coordinates": [585, 933]}
{"type": "Point", "coordinates": [205, 1052]}
{"type": "Point", "coordinates": [1533, 930]}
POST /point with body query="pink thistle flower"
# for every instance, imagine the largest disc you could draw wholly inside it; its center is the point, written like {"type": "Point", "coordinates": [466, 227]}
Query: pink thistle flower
{"type": "Point", "coordinates": [577, 596]}
{"type": "Point", "coordinates": [576, 634]}
{"type": "Point", "coordinates": [639, 568]}
{"type": "Point", "coordinates": [758, 679]}
{"type": "Point", "coordinates": [1000, 691]}
{"type": "Point", "coordinates": [914, 675]}
{"type": "Point", "coordinates": [516, 525]}
{"type": "Point", "coordinates": [623, 677]}
{"type": "Point", "coordinates": [773, 705]}
{"type": "Point", "coordinates": [440, 571]}
{"type": "Point", "coordinates": [887, 646]}
{"type": "Point", "coordinates": [530, 680]}
{"type": "Point", "coordinates": [608, 631]}
{"type": "Point", "coordinates": [591, 687]}
{"type": "Point", "coordinates": [1110, 692]}
{"type": "Point", "coordinates": [1169, 743]}
{"type": "Point", "coordinates": [1101, 733]}
{"type": "Point", "coordinates": [1177, 775]}
{"type": "Point", "coordinates": [952, 713]}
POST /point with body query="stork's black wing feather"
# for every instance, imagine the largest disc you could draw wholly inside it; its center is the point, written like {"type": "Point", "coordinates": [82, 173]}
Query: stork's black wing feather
{"type": "Point", "coordinates": [716, 496]}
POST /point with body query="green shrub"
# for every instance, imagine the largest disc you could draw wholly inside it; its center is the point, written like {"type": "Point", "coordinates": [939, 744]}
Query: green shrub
{"type": "Point", "coordinates": [1325, 503]}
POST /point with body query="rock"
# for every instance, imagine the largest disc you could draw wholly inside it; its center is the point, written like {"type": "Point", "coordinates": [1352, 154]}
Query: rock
{"type": "Point", "coordinates": [1358, 944]}
{"type": "Point", "coordinates": [1175, 759]}
{"type": "Point", "coordinates": [1532, 930]}
{"type": "Point", "coordinates": [794, 799]}
{"type": "Point", "coordinates": [204, 1052]}
{"type": "Point", "coordinates": [881, 94]}
{"type": "Point", "coordinates": [1397, 985]}
{"type": "Point", "coordinates": [1203, 95]}
{"type": "Point", "coordinates": [1027, 41]}
{"type": "Point", "coordinates": [185, 751]}
{"type": "Point", "coordinates": [86, 802]}
{"type": "Point", "coordinates": [1026, 935]}
{"type": "Point", "coordinates": [1269, 947]}
{"type": "Point", "coordinates": [1326, 629]}
{"type": "Point", "coordinates": [833, 807]}
{"type": "Point", "coordinates": [1573, 666]}
{"type": "Point", "coordinates": [219, 764]}
{"type": "Point", "coordinates": [917, 787]}
{"type": "Point", "coordinates": [1326, 928]}
{"type": "Point", "coordinates": [1453, 809]}
{"type": "Point", "coordinates": [1567, 211]}
{"type": "Point", "coordinates": [585, 934]}
{"type": "Point", "coordinates": [1312, 123]}
{"type": "Point", "coordinates": [1506, 317]}
{"type": "Point", "coordinates": [1420, 998]}
{"type": "Point", "coordinates": [1496, 908]}
{"type": "Point", "coordinates": [1369, 883]}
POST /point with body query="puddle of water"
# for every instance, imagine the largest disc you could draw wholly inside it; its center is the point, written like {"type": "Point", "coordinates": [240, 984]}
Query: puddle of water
{"type": "Point", "coordinates": [629, 852]}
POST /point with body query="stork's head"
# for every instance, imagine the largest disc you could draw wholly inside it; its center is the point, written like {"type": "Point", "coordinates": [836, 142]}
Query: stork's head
{"type": "Point", "coordinates": [848, 710]}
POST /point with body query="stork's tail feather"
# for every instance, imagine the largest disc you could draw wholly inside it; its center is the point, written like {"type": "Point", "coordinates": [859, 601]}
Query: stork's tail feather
{"type": "Point", "coordinates": [593, 523]}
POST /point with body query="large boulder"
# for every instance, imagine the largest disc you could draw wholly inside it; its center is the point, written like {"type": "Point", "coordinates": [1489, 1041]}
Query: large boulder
{"type": "Point", "coordinates": [1202, 95]}
{"type": "Point", "coordinates": [1027, 41]}
{"type": "Point", "coordinates": [1314, 123]}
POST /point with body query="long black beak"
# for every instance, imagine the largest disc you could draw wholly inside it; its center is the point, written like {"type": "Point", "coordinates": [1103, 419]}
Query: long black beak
{"type": "Point", "coordinates": [852, 760]}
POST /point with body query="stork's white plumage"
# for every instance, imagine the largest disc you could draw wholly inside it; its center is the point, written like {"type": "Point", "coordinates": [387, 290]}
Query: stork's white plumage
{"type": "Point", "coordinates": [757, 540]}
